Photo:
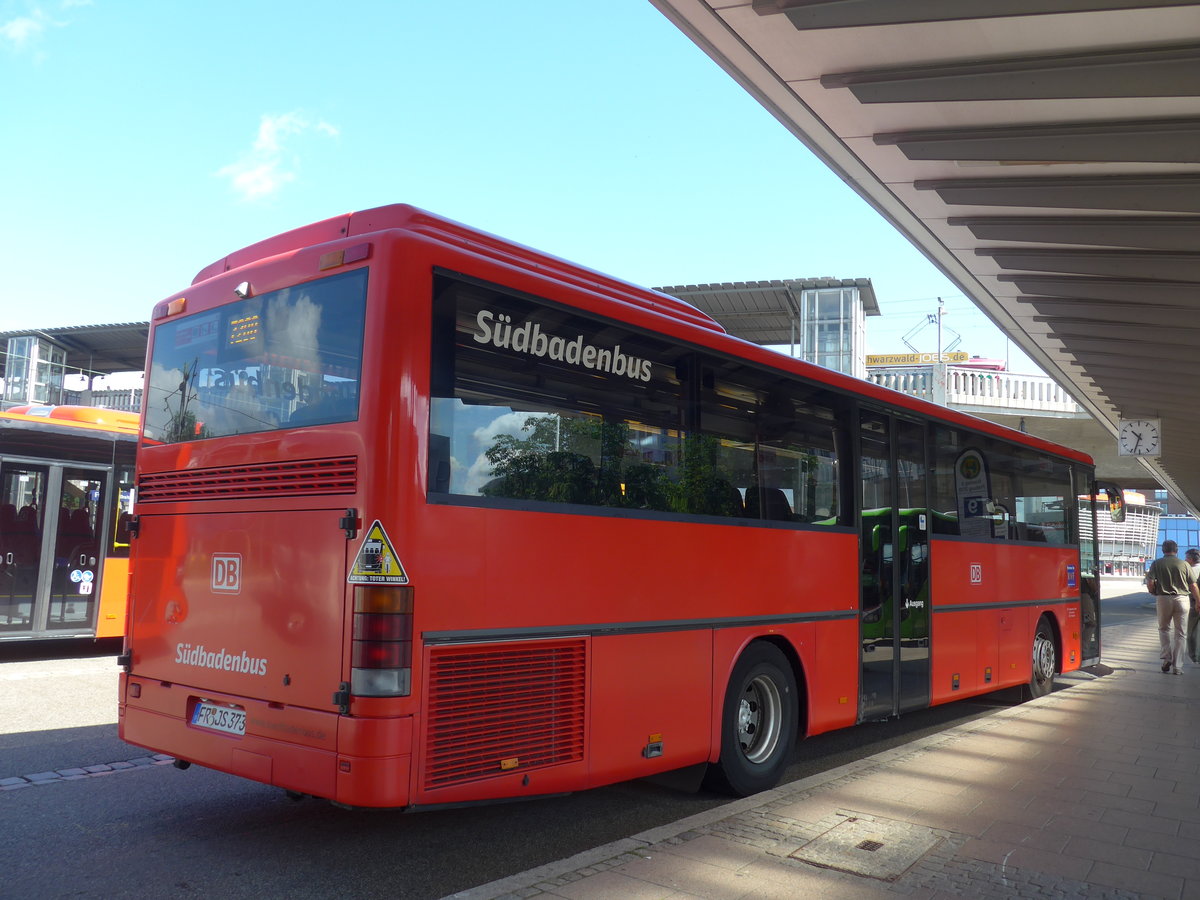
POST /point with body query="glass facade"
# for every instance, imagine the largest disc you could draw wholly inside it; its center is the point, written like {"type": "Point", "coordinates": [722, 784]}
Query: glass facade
{"type": "Point", "coordinates": [1175, 524]}
{"type": "Point", "coordinates": [1127, 548]}
{"type": "Point", "coordinates": [833, 329]}
{"type": "Point", "coordinates": [34, 371]}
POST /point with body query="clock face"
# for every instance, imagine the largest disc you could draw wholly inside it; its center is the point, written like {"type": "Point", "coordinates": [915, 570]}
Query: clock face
{"type": "Point", "coordinates": [1140, 437]}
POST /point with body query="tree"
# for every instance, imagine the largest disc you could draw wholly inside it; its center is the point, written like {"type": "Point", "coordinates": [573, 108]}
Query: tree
{"type": "Point", "coordinates": [555, 461]}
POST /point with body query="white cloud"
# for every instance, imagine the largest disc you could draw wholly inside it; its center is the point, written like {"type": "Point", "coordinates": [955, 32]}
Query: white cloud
{"type": "Point", "coordinates": [19, 32]}
{"type": "Point", "coordinates": [479, 472]}
{"type": "Point", "coordinates": [22, 32]}
{"type": "Point", "coordinates": [508, 423]}
{"type": "Point", "coordinates": [271, 163]}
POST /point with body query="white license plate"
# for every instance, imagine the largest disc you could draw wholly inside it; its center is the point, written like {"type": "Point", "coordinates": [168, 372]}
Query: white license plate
{"type": "Point", "coordinates": [219, 718]}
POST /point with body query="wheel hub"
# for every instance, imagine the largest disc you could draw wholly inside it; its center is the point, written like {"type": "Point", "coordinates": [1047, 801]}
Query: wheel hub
{"type": "Point", "coordinates": [1043, 658]}
{"type": "Point", "coordinates": [760, 716]}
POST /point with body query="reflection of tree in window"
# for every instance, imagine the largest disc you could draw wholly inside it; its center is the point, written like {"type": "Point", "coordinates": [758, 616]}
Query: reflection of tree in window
{"type": "Point", "coordinates": [182, 424]}
{"type": "Point", "coordinates": [590, 461]}
{"type": "Point", "coordinates": [555, 461]}
{"type": "Point", "coordinates": [704, 485]}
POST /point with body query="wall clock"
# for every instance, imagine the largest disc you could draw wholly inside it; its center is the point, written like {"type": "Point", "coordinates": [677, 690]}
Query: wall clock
{"type": "Point", "coordinates": [1139, 437]}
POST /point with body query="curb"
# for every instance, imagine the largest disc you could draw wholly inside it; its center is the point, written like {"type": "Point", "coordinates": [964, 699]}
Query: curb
{"type": "Point", "coordinates": [517, 885]}
{"type": "Point", "coordinates": [58, 776]}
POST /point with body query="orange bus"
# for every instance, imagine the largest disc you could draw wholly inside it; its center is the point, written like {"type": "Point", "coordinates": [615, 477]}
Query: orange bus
{"type": "Point", "coordinates": [66, 495]}
{"type": "Point", "coordinates": [427, 517]}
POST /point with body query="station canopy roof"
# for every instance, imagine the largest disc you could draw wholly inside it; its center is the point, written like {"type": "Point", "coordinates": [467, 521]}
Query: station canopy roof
{"type": "Point", "coordinates": [765, 312]}
{"type": "Point", "coordinates": [94, 349]}
{"type": "Point", "coordinates": [1045, 154]}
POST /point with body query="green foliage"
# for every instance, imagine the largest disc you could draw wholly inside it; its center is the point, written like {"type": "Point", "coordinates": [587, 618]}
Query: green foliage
{"type": "Point", "coordinates": [556, 460]}
{"type": "Point", "coordinates": [647, 487]}
{"type": "Point", "coordinates": [704, 487]}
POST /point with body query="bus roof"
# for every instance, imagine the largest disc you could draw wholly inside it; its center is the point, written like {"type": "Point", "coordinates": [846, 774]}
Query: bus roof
{"type": "Point", "coordinates": [87, 418]}
{"type": "Point", "coordinates": [403, 217]}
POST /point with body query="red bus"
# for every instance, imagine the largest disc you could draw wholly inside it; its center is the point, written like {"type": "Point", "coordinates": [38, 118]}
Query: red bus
{"type": "Point", "coordinates": [66, 483]}
{"type": "Point", "coordinates": [425, 517]}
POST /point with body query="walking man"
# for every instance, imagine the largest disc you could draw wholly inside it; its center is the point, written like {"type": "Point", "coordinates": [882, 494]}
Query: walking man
{"type": "Point", "coordinates": [1192, 558]}
{"type": "Point", "coordinates": [1173, 585]}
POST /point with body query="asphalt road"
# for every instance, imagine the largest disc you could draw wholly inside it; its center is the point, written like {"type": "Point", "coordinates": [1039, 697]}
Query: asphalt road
{"type": "Point", "coordinates": [1133, 603]}
{"type": "Point", "coordinates": [154, 831]}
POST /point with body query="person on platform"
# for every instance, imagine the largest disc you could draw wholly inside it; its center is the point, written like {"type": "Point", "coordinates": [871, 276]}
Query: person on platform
{"type": "Point", "coordinates": [1192, 558]}
{"type": "Point", "coordinates": [1172, 583]}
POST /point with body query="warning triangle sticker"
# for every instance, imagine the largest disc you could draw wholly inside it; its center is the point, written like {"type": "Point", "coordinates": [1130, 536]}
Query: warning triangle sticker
{"type": "Point", "coordinates": [377, 562]}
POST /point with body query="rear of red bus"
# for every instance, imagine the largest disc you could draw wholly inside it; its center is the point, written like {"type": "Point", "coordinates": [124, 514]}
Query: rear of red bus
{"type": "Point", "coordinates": [286, 563]}
{"type": "Point", "coordinates": [242, 646]}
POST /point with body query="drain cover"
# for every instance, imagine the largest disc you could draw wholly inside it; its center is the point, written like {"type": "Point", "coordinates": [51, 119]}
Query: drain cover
{"type": "Point", "coordinates": [867, 845]}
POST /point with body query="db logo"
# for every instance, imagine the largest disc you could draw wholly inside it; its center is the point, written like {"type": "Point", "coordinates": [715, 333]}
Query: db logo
{"type": "Point", "coordinates": [976, 573]}
{"type": "Point", "coordinates": [227, 573]}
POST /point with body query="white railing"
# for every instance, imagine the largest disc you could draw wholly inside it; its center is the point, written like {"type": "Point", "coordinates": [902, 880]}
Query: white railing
{"type": "Point", "coordinates": [917, 382]}
{"type": "Point", "coordinates": [972, 387]}
{"type": "Point", "coordinates": [130, 400]}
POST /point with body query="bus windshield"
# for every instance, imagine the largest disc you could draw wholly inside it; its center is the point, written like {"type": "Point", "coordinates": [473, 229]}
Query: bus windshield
{"type": "Point", "coordinates": [286, 358]}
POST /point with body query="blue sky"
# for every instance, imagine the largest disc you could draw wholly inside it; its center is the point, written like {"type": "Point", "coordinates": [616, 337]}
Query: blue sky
{"type": "Point", "coordinates": [140, 141]}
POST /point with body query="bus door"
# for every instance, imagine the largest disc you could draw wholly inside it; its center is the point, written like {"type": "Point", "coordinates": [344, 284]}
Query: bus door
{"type": "Point", "coordinates": [894, 600]}
{"type": "Point", "coordinates": [52, 522]}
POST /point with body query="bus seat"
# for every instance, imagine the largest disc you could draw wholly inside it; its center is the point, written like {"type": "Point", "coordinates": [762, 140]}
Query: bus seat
{"type": "Point", "coordinates": [63, 537]}
{"type": "Point", "coordinates": [81, 523]}
{"type": "Point", "coordinates": [730, 499]}
{"type": "Point", "coordinates": [8, 521]}
{"type": "Point", "coordinates": [770, 504]}
{"type": "Point", "coordinates": [82, 555]}
{"type": "Point", "coordinates": [26, 538]}
{"type": "Point", "coordinates": [27, 521]}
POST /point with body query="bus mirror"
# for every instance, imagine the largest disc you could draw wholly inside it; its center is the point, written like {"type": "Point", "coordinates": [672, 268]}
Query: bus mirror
{"type": "Point", "coordinates": [1116, 499]}
{"type": "Point", "coordinates": [902, 542]}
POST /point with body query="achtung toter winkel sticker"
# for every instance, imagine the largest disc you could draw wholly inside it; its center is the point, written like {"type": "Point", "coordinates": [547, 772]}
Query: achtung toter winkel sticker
{"type": "Point", "coordinates": [377, 562]}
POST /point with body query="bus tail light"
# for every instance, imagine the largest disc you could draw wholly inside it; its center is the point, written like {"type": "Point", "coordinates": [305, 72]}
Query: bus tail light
{"type": "Point", "coordinates": [381, 664]}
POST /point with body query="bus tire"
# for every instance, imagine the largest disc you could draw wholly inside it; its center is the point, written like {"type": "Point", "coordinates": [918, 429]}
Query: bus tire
{"type": "Point", "coordinates": [1045, 662]}
{"type": "Point", "coordinates": [758, 723]}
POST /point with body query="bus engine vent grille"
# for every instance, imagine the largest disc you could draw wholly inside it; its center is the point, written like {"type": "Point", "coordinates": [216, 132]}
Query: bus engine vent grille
{"type": "Point", "coordinates": [295, 478]}
{"type": "Point", "coordinates": [503, 708]}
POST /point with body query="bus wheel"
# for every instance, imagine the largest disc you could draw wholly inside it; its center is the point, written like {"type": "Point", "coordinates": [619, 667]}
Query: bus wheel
{"type": "Point", "coordinates": [758, 723]}
{"type": "Point", "coordinates": [1045, 662]}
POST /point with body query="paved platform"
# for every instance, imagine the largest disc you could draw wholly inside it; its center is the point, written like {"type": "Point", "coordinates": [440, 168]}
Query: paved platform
{"type": "Point", "coordinates": [1092, 791]}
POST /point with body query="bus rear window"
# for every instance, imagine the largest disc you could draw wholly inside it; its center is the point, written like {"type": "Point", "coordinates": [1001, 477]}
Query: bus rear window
{"type": "Point", "coordinates": [286, 359]}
